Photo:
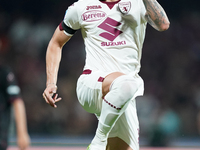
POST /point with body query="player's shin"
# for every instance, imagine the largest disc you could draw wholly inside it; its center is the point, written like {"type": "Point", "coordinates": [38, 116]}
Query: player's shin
{"type": "Point", "coordinates": [113, 106]}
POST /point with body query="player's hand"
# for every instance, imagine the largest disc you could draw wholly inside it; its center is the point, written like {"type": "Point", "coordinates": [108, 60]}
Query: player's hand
{"type": "Point", "coordinates": [23, 141]}
{"type": "Point", "coordinates": [50, 95]}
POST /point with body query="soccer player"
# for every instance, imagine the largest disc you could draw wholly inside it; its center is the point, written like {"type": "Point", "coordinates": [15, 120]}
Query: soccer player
{"type": "Point", "coordinates": [10, 97]}
{"type": "Point", "coordinates": [113, 33]}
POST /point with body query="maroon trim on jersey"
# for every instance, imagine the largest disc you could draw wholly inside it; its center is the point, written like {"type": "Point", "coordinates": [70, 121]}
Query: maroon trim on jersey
{"type": "Point", "coordinates": [63, 26]}
{"type": "Point", "coordinates": [60, 27]}
{"type": "Point", "coordinates": [110, 4]}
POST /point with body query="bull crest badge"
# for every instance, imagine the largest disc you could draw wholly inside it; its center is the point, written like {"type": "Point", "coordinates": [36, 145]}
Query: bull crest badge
{"type": "Point", "coordinates": [124, 7]}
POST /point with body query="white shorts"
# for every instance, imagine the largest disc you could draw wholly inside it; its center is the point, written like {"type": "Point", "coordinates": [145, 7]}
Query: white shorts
{"type": "Point", "coordinates": [89, 93]}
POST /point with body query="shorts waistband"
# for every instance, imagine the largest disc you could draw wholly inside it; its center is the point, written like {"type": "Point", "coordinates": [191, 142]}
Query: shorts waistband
{"type": "Point", "coordinates": [87, 71]}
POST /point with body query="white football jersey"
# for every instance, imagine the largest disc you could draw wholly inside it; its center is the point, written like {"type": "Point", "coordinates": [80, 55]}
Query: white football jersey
{"type": "Point", "coordinates": [113, 37]}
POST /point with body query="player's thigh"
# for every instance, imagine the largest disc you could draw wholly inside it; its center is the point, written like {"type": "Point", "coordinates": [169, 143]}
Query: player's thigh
{"type": "Point", "coordinates": [116, 143]}
{"type": "Point", "coordinates": [108, 81]}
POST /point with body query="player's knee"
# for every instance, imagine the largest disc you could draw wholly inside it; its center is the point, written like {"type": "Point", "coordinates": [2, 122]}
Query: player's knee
{"type": "Point", "coordinates": [125, 86]}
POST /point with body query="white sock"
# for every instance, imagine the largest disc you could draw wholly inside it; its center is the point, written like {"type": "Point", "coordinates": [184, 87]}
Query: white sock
{"type": "Point", "coordinates": [114, 104]}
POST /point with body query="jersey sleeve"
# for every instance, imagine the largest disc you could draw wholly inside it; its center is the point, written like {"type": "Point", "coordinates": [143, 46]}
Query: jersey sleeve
{"type": "Point", "coordinates": [12, 89]}
{"type": "Point", "coordinates": [143, 11]}
{"type": "Point", "coordinates": [71, 23]}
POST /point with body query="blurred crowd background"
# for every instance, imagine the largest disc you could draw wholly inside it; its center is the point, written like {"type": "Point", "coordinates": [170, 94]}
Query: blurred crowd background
{"type": "Point", "coordinates": [170, 68]}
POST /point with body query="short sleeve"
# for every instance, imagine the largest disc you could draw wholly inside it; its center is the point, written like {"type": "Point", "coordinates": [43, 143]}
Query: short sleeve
{"type": "Point", "coordinates": [71, 19]}
{"type": "Point", "coordinates": [143, 11]}
{"type": "Point", "coordinates": [11, 88]}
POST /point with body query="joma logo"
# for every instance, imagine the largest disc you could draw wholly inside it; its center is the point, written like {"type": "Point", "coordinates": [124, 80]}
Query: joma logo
{"type": "Point", "coordinates": [93, 7]}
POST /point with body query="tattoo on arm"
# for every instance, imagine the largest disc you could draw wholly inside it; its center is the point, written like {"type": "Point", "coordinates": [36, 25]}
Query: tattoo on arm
{"type": "Point", "coordinates": [156, 15]}
{"type": "Point", "coordinates": [149, 20]}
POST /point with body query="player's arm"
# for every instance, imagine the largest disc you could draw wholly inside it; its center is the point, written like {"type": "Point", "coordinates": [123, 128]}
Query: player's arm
{"type": "Point", "coordinates": [23, 139]}
{"type": "Point", "coordinates": [53, 57]}
{"type": "Point", "coordinates": [156, 15]}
